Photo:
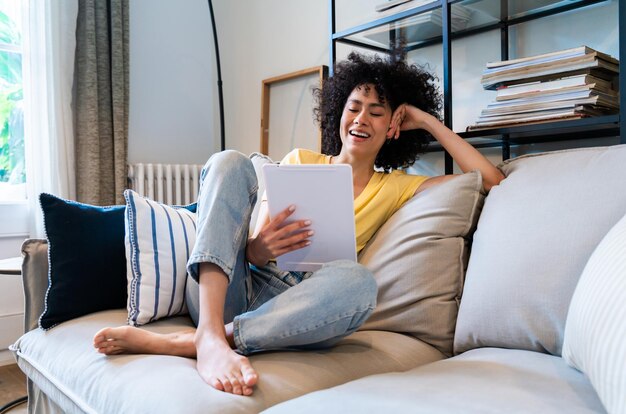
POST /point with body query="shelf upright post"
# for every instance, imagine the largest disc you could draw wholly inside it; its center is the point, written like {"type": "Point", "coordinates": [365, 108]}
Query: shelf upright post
{"type": "Point", "coordinates": [447, 76]}
{"type": "Point", "coordinates": [504, 55]}
{"type": "Point", "coordinates": [504, 29]}
{"type": "Point", "coordinates": [393, 38]}
{"type": "Point", "coordinates": [622, 72]}
{"type": "Point", "coordinates": [331, 47]}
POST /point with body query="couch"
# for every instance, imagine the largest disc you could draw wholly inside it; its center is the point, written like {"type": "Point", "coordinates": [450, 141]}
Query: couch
{"type": "Point", "coordinates": [475, 313]}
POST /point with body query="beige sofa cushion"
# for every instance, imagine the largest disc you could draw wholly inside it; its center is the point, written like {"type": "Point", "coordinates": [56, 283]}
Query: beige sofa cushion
{"type": "Point", "coordinates": [487, 380]}
{"type": "Point", "coordinates": [63, 363]}
{"type": "Point", "coordinates": [419, 257]}
{"type": "Point", "coordinates": [595, 331]}
{"type": "Point", "coordinates": [536, 232]}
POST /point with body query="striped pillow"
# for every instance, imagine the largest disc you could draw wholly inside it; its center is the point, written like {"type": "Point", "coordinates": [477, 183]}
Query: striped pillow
{"type": "Point", "coordinates": [595, 331]}
{"type": "Point", "coordinates": [158, 240]}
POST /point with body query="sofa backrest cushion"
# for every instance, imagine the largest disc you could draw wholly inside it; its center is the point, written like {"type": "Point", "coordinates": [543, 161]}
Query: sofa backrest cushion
{"type": "Point", "coordinates": [419, 257]}
{"type": "Point", "coordinates": [595, 331]}
{"type": "Point", "coordinates": [536, 232]}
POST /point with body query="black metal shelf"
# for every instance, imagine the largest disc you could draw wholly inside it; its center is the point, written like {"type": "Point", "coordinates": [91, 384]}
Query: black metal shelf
{"type": "Point", "coordinates": [504, 20]}
{"type": "Point", "coordinates": [502, 15]}
{"type": "Point", "coordinates": [505, 138]}
{"type": "Point", "coordinates": [385, 20]}
{"type": "Point", "coordinates": [607, 125]}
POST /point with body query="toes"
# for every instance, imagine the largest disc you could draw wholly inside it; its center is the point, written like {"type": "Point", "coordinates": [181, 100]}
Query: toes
{"type": "Point", "coordinates": [246, 390]}
{"type": "Point", "coordinates": [250, 376]}
{"type": "Point", "coordinates": [215, 383]}
{"type": "Point", "coordinates": [228, 387]}
{"type": "Point", "coordinates": [236, 383]}
{"type": "Point", "coordinates": [102, 334]}
{"type": "Point", "coordinates": [107, 343]}
{"type": "Point", "coordinates": [99, 341]}
{"type": "Point", "coordinates": [110, 350]}
{"type": "Point", "coordinates": [114, 350]}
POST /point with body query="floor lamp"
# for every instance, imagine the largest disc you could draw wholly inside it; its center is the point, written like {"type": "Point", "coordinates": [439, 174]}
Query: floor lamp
{"type": "Point", "coordinates": [219, 79]}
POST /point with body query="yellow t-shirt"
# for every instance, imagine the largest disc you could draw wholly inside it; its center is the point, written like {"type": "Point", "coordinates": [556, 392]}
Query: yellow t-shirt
{"type": "Point", "coordinates": [384, 194]}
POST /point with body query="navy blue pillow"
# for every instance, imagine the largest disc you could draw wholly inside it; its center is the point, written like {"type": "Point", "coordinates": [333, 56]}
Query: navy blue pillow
{"type": "Point", "coordinates": [86, 258]}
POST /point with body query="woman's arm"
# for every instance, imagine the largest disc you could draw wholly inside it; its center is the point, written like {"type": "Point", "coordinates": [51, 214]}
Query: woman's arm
{"type": "Point", "coordinates": [408, 117]}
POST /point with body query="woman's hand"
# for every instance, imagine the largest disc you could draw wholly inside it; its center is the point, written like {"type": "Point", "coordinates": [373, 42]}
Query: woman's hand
{"type": "Point", "coordinates": [276, 239]}
{"type": "Point", "coordinates": [407, 117]}
{"type": "Point", "coordinates": [404, 118]}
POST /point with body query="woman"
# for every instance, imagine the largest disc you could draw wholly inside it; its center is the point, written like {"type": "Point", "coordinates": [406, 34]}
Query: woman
{"type": "Point", "coordinates": [376, 115]}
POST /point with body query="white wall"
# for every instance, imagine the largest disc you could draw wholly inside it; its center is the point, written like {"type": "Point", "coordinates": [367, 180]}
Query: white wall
{"type": "Point", "coordinates": [260, 40]}
{"type": "Point", "coordinates": [174, 114]}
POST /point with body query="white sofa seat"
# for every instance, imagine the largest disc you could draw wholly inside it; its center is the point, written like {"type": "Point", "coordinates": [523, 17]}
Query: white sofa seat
{"type": "Point", "coordinates": [486, 380]}
{"type": "Point", "coordinates": [64, 365]}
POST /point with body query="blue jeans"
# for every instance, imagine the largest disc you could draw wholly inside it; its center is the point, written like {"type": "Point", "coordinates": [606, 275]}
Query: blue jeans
{"type": "Point", "coordinates": [270, 309]}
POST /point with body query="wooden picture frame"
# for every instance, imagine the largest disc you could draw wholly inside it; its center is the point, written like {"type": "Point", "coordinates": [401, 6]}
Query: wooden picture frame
{"type": "Point", "coordinates": [321, 71]}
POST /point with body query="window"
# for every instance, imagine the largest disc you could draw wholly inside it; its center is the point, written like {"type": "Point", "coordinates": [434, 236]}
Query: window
{"type": "Point", "coordinates": [12, 166]}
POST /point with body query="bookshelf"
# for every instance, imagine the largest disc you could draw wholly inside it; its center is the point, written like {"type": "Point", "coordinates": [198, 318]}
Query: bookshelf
{"type": "Point", "coordinates": [439, 22]}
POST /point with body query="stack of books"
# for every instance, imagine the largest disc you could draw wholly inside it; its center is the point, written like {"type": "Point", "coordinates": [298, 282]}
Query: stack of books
{"type": "Point", "coordinates": [418, 28]}
{"type": "Point", "coordinates": [563, 85]}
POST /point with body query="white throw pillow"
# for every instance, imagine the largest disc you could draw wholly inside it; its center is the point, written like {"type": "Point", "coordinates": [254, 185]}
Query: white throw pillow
{"type": "Point", "coordinates": [595, 330]}
{"type": "Point", "coordinates": [159, 240]}
{"type": "Point", "coordinates": [535, 234]}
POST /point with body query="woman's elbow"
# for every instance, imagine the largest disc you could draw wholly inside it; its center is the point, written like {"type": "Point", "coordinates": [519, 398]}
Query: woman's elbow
{"type": "Point", "coordinates": [492, 180]}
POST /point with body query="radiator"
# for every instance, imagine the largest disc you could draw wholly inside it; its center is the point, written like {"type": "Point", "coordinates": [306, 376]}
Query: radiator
{"type": "Point", "coordinates": [174, 184]}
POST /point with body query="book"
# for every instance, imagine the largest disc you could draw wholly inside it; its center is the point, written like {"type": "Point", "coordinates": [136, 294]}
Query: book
{"type": "Point", "coordinates": [592, 100]}
{"type": "Point", "coordinates": [508, 124]}
{"type": "Point", "coordinates": [527, 115]}
{"type": "Point", "coordinates": [562, 84]}
{"type": "Point", "coordinates": [591, 110]}
{"type": "Point", "coordinates": [587, 65]}
{"type": "Point", "coordinates": [574, 112]}
{"type": "Point", "coordinates": [609, 99]}
{"type": "Point", "coordinates": [556, 92]}
{"type": "Point", "coordinates": [542, 65]}
{"type": "Point", "coordinates": [552, 56]}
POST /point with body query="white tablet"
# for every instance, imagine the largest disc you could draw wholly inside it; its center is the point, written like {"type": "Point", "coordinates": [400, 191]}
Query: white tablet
{"type": "Point", "coordinates": [322, 194]}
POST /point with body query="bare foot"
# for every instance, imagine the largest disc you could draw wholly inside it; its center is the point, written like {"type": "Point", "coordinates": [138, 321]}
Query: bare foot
{"type": "Point", "coordinates": [222, 368]}
{"type": "Point", "coordinates": [131, 340]}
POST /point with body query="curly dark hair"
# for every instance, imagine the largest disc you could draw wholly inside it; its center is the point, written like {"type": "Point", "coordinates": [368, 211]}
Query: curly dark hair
{"type": "Point", "coordinates": [396, 82]}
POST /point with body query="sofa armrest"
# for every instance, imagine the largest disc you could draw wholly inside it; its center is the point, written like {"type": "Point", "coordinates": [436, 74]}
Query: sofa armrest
{"type": "Point", "coordinates": [35, 279]}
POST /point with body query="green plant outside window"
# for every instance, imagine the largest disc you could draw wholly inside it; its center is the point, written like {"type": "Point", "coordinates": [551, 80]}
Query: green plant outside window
{"type": "Point", "coordinates": [12, 166]}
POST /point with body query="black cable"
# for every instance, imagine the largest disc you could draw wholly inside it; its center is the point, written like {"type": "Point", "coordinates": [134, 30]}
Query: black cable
{"type": "Point", "coordinates": [13, 404]}
{"type": "Point", "coordinates": [219, 80]}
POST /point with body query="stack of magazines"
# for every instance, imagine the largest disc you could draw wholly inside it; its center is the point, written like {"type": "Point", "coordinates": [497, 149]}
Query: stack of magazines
{"type": "Point", "coordinates": [417, 28]}
{"type": "Point", "coordinates": [563, 85]}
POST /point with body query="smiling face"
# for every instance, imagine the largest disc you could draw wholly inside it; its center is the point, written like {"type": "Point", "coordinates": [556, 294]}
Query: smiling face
{"type": "Point", "coordinates": [364, 123]}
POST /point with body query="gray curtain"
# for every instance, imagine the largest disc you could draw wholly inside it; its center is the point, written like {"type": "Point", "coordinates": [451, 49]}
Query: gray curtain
{"type": "Point", "coordinates": [101, 101]}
